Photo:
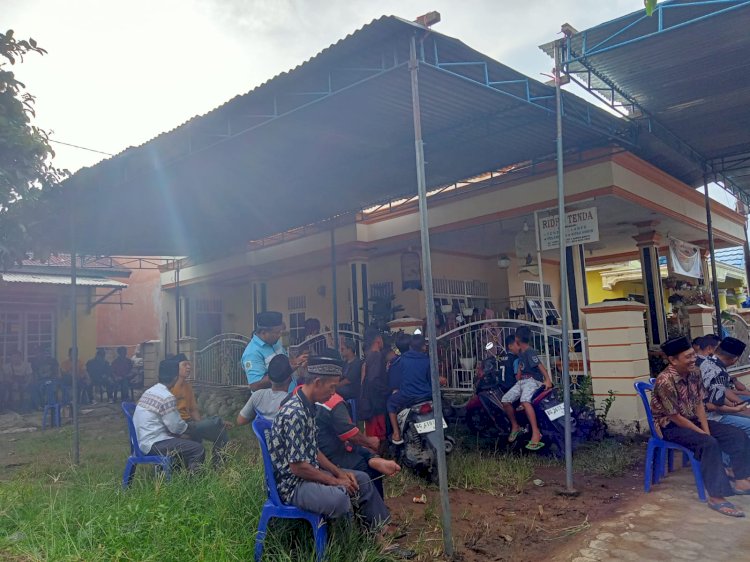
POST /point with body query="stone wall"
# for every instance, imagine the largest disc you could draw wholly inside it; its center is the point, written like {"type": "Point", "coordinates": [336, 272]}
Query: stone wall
{"type": "Point", "coordinates": [225, 402]}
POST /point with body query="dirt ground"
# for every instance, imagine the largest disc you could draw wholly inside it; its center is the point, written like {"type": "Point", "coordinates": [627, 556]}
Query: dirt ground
{"type": "Point", "coordinates": [526, 526]}
{"type": "Point", "coordinates": [519, 527]}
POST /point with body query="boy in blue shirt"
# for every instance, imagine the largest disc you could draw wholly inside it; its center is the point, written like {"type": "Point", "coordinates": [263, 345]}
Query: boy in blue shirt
{"type": "Point", "coordinates": [415, 385]}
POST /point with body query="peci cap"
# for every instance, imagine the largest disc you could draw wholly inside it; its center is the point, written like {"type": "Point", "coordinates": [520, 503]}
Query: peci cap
{"type": "Point", "coordinates": [268, 320]}
{"type": "Point", "coordinates": [674, 347]}
{"type": "Point", "coordinates": [327, 364]}
{"type": "Point", "coordinates": [732, 346]}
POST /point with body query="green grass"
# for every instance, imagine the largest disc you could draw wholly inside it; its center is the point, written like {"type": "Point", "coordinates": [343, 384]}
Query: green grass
{"type": "Point", "coordinates": [489, 472]}
{"type": "Point", "coordinates": [51, 510]}
{"type": "Point", "coordinates": [606, 458]}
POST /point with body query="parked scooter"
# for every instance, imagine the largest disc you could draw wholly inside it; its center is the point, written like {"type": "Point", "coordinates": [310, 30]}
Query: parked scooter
{"type": "Point", "coordinates": [485, 415]}
{"type": "Point", "coordinates": [419, 450]}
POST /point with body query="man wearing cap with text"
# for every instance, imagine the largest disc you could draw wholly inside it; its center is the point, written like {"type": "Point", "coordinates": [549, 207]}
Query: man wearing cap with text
{"type": "Point", "coordinates": [679, 413]}
{"type": "Point", "coordinates": [264, 346]}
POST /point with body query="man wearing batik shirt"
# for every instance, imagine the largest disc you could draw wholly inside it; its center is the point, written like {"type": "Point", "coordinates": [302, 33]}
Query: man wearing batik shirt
{"type": "Point", "coordinates": [723, 404]}
{"type": "Point", "coordinates": [304, 476]}
{"type": "Point", "coordinates": [678, 411]}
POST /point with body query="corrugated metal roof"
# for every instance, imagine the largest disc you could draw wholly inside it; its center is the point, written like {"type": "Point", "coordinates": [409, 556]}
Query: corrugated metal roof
{"type": "Point", "coordinates": [235, 174]}
{"type": "Point", "coordinates": [687, 68]}
{"type": "Point", "coordinates": [39, 278]}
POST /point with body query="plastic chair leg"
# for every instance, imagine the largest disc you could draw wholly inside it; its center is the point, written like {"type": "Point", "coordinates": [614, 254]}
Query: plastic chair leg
{"type": "Point", "coordinates": [698, 479]}
{"type": "Point", "coordinates": [166, 468]}
{"type": "Point", "coordinates": [260, 535]}
{"type": "Point", "coordinates": [670, 459]}
{"type": "Point", "coordinates": [321, 539]}
{"type": "Point", "coordinates": [128, 474]}
{"type": "Point", "coordinates": [648, 472]}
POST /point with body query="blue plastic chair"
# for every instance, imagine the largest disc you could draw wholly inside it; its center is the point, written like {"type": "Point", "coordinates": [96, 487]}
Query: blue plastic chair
{"type": "Point", "coordinates": [274, 506]}
{"type": "Point", "coordinates": [137, 456]}
{"type": "Point", "coordinates": [353, 409]}
{"type": "Point", "coordinates": [52, 405]}
{"type": "Point", "coordinates": [658, 449]}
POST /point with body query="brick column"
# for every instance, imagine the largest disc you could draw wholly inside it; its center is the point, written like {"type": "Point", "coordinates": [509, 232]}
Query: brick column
{"type": "Point", "coordinates": [618, 357]}
{"type": "Point", "coordinates": [701, 320]}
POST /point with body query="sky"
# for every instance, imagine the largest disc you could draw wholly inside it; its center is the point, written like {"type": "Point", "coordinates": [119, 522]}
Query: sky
{"type": "Point", "coordinates": [119, 72]}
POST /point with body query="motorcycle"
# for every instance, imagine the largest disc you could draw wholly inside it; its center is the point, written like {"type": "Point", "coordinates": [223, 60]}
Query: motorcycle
{"type": "Point", "coordinates": [419, 450]}
{"type": "Point", "coordinates": [485, 415]}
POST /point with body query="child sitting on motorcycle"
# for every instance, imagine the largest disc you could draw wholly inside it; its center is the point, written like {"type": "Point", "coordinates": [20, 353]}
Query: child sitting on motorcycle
{"type": "Point", "coordinates": [530, 376]}
{"type": "Point", "coordinates": [414, 385]}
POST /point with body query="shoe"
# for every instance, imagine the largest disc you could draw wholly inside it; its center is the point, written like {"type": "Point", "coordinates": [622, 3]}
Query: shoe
{"type": "Point", "coordinates": [111, 401]}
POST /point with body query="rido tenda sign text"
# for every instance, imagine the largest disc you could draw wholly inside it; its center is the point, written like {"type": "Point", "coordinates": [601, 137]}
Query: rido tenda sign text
{"type": "Point", "coordinates": [581, 226]}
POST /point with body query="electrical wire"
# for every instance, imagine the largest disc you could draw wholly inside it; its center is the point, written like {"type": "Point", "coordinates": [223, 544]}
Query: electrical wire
{"type": "Point", "coordinates": [81, 147]}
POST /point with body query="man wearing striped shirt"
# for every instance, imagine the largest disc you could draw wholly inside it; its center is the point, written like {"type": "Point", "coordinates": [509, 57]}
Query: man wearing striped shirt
{"type": "Point", "coordinates": [158, 425]}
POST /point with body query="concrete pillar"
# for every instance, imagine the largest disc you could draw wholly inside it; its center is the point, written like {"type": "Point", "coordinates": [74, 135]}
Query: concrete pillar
{"type": "Point", "coordinates": [577, 288]}
{"type": "Point", "coordinates": [701, 320]}
{"type": "Point", "coordinates": [723, 299]}
{"type": "Point", "coordinates": [618, 357]}
{"type": "Point", "coordinates": [187, 346]}
{"type": "Point", "coordinates": [656, 321]}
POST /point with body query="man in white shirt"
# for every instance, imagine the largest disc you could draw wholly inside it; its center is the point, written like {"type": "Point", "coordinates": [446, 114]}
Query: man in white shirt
{"type": "Point", "coordinates": [160, 429]}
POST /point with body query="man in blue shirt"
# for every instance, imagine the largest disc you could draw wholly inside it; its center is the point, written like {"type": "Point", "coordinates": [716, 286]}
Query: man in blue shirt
{"type": "Point", "coordinates": [415, 385]}
{"type": "Point", "coordinates": [264, 346]}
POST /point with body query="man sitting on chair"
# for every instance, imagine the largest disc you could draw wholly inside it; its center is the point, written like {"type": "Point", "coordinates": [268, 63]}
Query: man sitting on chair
{"type": "Point", "coordinates": [304, 476]}
{"type": "Point", "coordinates": [679, 413]}
{"type": "Point", "coordinates": [158, 425]}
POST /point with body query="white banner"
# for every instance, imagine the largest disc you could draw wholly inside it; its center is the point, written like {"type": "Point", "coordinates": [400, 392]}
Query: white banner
{"type": "Point", "coordinates": [580, 227]}
{"type": "Point", "coordinates": [684, 259]}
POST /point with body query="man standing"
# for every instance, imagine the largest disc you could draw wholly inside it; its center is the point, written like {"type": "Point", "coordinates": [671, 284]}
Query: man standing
{"type": "Point", "coordinates": [305, 477]}
{"type": "Point", "coordinates": [351, 378]}
{"type": "Point", "coordinates": [212, 428]}
{"type": "Point", "coordinates": [677, 407]}
{"type": "Point", "coordinates": [18, 378]}
{"type": "Point", "coordinates": [122, 368]}
{"type": "Point", "coordinates": [264, 346]}
{"type": "Point", "coordinates": [374, 394]}
{"type": "Point", "coordinates": [158, 425]}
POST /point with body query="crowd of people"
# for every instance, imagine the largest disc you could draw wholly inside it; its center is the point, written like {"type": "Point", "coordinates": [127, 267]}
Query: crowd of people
{"type": "Point", "coordinates": [322, 461]}
{"type": "Point", "coordinates": [698, 404]}
{"type": "Point", "coordinates": [24, 384]}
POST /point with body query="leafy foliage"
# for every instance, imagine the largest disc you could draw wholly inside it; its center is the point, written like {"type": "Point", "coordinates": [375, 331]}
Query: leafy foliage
{"type": "Point", "coordinates": [25, 154]}
{"type": "Point", "coordinates": [650, 6]}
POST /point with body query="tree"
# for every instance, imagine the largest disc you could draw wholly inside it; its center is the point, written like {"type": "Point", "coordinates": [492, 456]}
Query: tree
{"type": "Point", "coordinates": [25, 154]}
{"type": "Point", "coordinates": [650, 6]}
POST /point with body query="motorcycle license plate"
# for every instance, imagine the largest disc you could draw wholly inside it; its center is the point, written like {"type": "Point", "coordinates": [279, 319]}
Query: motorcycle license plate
{"type": "Point", "coordinates": [555, 412]}
{"type": "Point", "coordinates": [427, 426]}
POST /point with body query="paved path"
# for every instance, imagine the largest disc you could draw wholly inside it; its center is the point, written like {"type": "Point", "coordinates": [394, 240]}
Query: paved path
{"type": "Point", "coordinates": [670, 523]}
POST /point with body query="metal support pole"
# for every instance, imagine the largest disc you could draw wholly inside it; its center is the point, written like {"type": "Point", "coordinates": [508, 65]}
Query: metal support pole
{"type": "Point", "coordinates": [712, 253]}
{"type": "Point", "coordinates": [437, 405]}
{"type": "Point", "coordinates": [334, 290]}
{"type": "Point", "coordinates": [74, 350]}
{"type": "Point", "coordinates": [541, 285]}
{"type": "Point", "coordinates": [747, 249]}
{"type": "Point", "coordinates": [177, 315]}
{"type": "Point", "coordinates": [563, 278]}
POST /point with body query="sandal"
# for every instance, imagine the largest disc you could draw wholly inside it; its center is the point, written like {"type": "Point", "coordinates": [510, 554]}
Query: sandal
{"type": "Point", "coordinates": [534, 446]}
{"type": "Point", "coordinates": [514, 435]}
{"type": "Point", "coordinates": [397, 443]}
{"type": "Point", "coordinates": [726, 508]}
{"type": "Point", "coordinates": [737, 492]}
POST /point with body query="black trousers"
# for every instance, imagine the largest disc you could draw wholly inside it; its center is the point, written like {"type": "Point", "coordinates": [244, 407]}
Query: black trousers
{"type": "Point", "coordinates": [708, 448]}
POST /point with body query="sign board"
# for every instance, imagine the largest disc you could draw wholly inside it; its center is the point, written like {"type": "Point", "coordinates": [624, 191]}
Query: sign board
{"type": "Point", "coordinates": [581, 226]}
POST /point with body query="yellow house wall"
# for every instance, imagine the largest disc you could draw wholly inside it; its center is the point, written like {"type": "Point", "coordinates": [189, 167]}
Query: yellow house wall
{"type": "Point", "coordinates": [86, 332]}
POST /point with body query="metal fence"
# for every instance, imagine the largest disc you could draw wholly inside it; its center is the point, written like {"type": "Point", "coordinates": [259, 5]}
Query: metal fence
{"type": "Point", "coordinates": [736, 326]}
{"type": "Point", "coordinates": [220, 362]}
{"type": "Point", "coordinates": [317, 343]}
{"type": "Point", "coordinates": [460, 349]}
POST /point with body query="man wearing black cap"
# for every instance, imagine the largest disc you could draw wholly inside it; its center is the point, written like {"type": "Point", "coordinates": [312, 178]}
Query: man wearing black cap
{"type": "Point", "coordinates": [264, 346]}
{"type": "Point", "coordinates": [158, 425]}
{"type": "Point", "coordinates": [305, 477]}
{"type": "Point", "coordinates": [678, 411]}
{"type": "Point", "coordinates": [722, 402]}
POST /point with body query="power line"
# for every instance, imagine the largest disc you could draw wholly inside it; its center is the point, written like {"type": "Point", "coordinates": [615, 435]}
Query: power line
{"type": "Point", "coordinates": [81, 147]}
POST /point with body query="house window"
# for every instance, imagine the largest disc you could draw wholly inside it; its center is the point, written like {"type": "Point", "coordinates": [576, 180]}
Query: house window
{"type": "Point", "coordinates": [26, 332]}
{"type": "Point", "coordinates": [296, 327]}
